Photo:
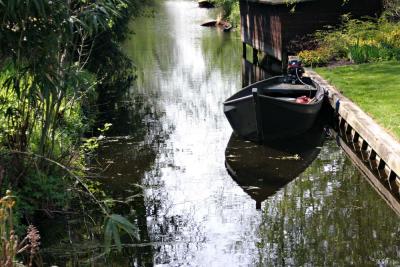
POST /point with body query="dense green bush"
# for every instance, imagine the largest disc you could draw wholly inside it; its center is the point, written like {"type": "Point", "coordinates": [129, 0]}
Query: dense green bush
{"type": "Point", "coordinates": [357, 41]}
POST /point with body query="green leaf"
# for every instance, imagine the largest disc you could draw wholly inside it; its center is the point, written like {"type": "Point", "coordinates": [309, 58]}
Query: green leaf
{"type": "Point", "coordinates": [108, 235]}
{"type": "Point", "coordinates": [125, 225]}
{"type": "Point", "coordinates": [117, 238]}
{"type": "Point", "coordinates": [111, 233]}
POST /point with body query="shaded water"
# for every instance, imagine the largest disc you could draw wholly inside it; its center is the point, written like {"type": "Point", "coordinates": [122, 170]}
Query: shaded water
{"type": "Point", "coordinates": [167, 149]}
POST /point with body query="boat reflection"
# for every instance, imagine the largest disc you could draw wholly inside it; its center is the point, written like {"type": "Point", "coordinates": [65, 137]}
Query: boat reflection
{"type": "Point", "coordinates": [262, 170]}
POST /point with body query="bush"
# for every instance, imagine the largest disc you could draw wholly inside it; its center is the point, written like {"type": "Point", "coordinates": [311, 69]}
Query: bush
{"type": "Point", "coordinates": [318, 57]}
{"type": "Point", "coordinates": [357, 41]}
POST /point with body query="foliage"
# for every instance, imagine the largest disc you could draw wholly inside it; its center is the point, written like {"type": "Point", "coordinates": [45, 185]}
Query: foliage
{"type": "Point", "coordinates": [320, 56]}
{"type": "Point", "coordinates": [10, 245]}
{"type": "Point", "coordinates": [357, 41]}
{"type": "Point", "coordinates": [90, 144]}
{"type": "Point", "coordinates": [375, 87]}
{"type": "Point", "coordinates": [328, 216]}
{"type": "Point", "coordinates": [392, 9]}
{"type": "Point", "coordinates": [43, 73]}
{"type": "Point", "coordinates": [50, 53]}
{"type": "Point", "coordinates": [231, 10]}
{"type": "Point", "coordinates": [113, 223]}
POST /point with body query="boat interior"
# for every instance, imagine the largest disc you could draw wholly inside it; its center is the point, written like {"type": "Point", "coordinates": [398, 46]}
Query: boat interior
{"type": "Point", "coordinates": [280, 88]}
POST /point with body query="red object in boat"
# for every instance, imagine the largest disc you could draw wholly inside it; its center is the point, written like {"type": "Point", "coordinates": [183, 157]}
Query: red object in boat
{"type": "Point", "coordinates": [303, 100]}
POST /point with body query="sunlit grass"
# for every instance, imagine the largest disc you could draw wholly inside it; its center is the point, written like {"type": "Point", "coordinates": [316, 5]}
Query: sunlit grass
{"type": "Point", "coordinates": [374, 87]}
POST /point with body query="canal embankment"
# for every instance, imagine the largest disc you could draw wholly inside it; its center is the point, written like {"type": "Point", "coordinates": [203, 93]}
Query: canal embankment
{"type": "Point", "coordinates": [378, 149]}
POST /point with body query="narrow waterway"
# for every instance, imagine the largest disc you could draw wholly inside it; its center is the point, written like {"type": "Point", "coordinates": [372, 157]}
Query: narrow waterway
{"type": "Point", "coordinates": [195, 188]}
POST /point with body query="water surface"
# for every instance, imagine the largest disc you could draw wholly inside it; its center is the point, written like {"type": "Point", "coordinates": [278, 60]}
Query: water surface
{"type": "Point", "coordinates": [169, 145]}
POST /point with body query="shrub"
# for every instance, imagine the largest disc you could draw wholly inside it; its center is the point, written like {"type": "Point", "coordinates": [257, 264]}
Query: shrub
{"type": "Point", "coordinates": [357, 41]}
{"type": "Point", "coordinates": [318, 57]}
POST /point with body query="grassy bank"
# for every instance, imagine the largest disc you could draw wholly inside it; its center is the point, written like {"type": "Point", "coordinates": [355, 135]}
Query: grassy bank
{"type": "Point", "coordinates": [375, 87]}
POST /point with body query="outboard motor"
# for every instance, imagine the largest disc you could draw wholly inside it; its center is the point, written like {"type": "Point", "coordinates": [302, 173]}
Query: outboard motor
{"type": "Point", "coordinates": [295, 69]}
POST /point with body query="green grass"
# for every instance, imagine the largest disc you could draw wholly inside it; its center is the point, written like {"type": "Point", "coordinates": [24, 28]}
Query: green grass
{"type": "Point", "coordinates": [374, 87]}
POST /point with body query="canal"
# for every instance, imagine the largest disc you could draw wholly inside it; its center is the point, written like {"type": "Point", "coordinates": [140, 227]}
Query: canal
{"type": "Point", "coordinates": [202, 197]}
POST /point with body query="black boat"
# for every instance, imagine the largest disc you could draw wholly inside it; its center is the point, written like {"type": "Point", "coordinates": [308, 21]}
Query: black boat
{"type": "Point", "coordinates": [263, 170]}
{"type": "Point", "coordinates": [205, 4]}
{"type": "Point", "coordinates": [275, 108]}
{"type": "Point", "coordinates": [210, 23]}
{"type": "Point", "coordinates": [224, 25]}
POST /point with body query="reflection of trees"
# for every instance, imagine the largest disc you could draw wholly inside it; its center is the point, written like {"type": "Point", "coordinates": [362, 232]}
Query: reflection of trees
{"type": "Point", "coordinates": [173, 235]}
{"type": "Point", "coordinates": [334, 218]}
{"type": "Point", "coordinates": [220, 50]}
{"type": "Point", "coordinates": [122, 160]}
{"type": "Point", "coordinates": [151, 47]}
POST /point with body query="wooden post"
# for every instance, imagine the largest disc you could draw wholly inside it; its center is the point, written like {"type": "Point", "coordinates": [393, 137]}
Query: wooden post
{"type": "Point", "coordinates": [356, 137]}
{"type": "Point", "coordinates": [381, 164]}
{"type": "Point", "coordinates": [391, 180]}
{"type": "Point", "coordinates": [372, 155]}
{"type": "Point", "coordinates": [381, 169]}
{"type": "Point", "coordinates": [364, 145]}
{"type": "Point", "coordinates": [392, 176]}
{"type": "Point", "coordinates": [342, 124]}
{"type": "Point", "coordinates": [348, 133]}
{"type": "Point", "coordinates": [255, 56]}
{"type": "Point", "coordinates": [364, 153]}
{"type": "Point", "coordinates": [284, 57]}
{"type": "Point", "coordinates": [258, 115]}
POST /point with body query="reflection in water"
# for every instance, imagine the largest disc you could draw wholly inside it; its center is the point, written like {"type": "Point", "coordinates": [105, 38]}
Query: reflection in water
{"type": "Point", "coordinates": [252, 73]}
{"type": "Point", "coordinates": [166, 155]}
{"type": "Point", "coordinates": [263, 170]}
{"type": "Point", "coordinates": [328, 216]}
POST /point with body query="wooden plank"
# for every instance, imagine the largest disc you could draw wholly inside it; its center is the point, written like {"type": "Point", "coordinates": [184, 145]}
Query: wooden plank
{"type": "Point", "coordinates": [385, 145]}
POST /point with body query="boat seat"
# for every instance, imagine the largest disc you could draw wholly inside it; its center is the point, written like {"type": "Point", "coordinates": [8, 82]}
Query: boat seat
{"type": "Point", "coordinates": [289, 99]}
{"type": "Point", "coordinates": [286, 86]}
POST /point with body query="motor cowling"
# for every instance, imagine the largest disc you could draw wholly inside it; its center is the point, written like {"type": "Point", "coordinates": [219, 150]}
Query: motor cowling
{"type": "Point", "coordinates": [295, 69]}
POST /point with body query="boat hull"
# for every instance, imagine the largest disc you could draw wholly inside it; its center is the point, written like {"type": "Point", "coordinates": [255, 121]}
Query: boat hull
{"type": "Point", "coordinates": [211, 23]}
{"type": "Point", "coordinates": [205, 4]}
{"type": "Point", "coordinates": [257, 114]}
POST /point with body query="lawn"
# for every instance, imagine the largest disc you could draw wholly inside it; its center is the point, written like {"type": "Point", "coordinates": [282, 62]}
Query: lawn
{"type": "Point", "coordinates": [375, 87]}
